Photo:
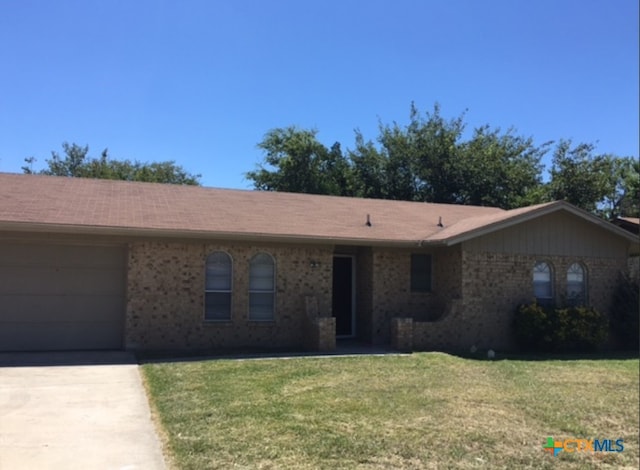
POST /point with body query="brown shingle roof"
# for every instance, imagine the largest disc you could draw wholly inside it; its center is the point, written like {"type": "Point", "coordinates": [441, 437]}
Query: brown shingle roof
{"type": "Point", "coordinates": [485, 222]}
{"type": "Point", "coordinates": [37, 202]}
{"type": "Point", "coordinates": [75, 202]}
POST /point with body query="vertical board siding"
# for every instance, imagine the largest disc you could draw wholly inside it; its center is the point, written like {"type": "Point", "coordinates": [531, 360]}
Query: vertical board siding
{"type": "Point", "coordinates": [550, 235]}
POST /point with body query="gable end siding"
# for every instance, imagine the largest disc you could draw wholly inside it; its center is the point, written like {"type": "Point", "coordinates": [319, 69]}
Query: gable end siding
{"type": "Point", "coordinates": [558, 233]}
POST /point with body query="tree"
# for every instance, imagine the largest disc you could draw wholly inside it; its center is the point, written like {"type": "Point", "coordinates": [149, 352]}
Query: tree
{"type": "Point", "coordinates": [501, 170]}
{"type": "Point", "coordinates": [69, 165]}
{"type": "Point", "coordinates": [429, 160]}
{"type": "Point", "coordinates": [623, 200]}
{"type": "Point", "coordinates": [401, 158]}
{"type": "Point", "coordinates": [295, 161]}
{"type": "Point", "coordinates": [416, 162]}
{"type": "Point", "coordinates": [76, 163]}
{"type": "Point", "coordinates": [577, 176]}
{"type": "Point", "coordinates": [435, 144]}
{"type": "Point", "coordinates": [605, 184]}
{"type": "Point", "coordinates": [369, 170]}
{"type": "Point", "coordinates": [337, 172]}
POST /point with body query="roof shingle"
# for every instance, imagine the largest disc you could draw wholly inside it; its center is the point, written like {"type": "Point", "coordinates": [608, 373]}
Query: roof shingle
{"type": "Point", "coordinates": [74, 202]}
{"type": "Point", "coordinates": [73, 205]}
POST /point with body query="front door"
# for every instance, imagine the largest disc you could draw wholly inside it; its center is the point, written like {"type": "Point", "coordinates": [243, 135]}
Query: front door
{"type": "Point", "coordinates": [343, 300]}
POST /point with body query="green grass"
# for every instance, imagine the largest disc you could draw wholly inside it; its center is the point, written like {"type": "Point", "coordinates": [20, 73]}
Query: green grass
{"type": "Point", "coordinates": [419, 411]}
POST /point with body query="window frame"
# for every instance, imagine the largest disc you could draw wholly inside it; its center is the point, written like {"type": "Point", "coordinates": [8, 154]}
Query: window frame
{"type": "Point", "coordinates": [580, 300]}
{"type": "Point", "coordinates": [252, 291]}
{"type": "Point", "coordinates": [539, 299]}
{"type": "Point", "coordinates": [228, 291]}
{"type": "Point", "coordinates": [415, 284]}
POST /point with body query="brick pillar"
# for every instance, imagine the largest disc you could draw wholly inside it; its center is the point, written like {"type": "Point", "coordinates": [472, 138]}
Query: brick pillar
{"type": "Point", "coordinates": [402, 334]}
{"type": "Point", "coordinates": [326, 333]}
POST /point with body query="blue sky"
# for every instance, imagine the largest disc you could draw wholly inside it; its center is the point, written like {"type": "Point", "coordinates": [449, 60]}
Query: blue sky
{"type": "Point", "coordinates": [201, 82]}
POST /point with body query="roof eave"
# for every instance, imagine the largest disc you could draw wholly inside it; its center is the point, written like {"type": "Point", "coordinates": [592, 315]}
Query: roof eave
{"type": "Point", "coordinates": [544, 210]}
{"type": "Point", "coordinates": [137, 232]}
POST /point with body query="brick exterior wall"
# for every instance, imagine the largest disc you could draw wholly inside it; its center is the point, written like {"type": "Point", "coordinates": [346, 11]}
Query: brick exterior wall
{"type": "Point", "coordinates": [474, 294]}
{"type": "Point", "coordinates": [391, 288]}
{"type": "Point", "coordinates": [476, 287]}
{"type": "Point", "coordinates": [319, 332]}
{"type": "Point", "coordinates": [499, 282]}
{"type": "Point", "coordinates": [493, 284]}
{"type": "Point", "coordinates": [402, 334]}
{"type": "Point", "coordinates": [165, 295]}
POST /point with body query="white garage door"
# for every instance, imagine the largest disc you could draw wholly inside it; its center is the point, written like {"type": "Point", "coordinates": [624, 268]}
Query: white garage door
{"type": "Point", "coordinates": [61, 297]}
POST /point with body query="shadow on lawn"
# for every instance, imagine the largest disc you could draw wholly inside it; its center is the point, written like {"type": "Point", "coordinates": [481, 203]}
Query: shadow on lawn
{"type": "Point", "coordinates": [343, 349]}
{"type": "Point", "coordinates": [367, 350]}
{"type": "Point", "coordinates": [594, 356]}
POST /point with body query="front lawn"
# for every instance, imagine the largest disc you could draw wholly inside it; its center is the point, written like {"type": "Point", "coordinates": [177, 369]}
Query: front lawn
{"type": "Point", "coordinates": [425, 410]}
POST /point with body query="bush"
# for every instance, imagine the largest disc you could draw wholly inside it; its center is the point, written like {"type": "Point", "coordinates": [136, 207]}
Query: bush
{"type": "Point", "coordinates": [532, 324]}
{"type": "Point", "coordinates": [579, 329]}
{"type": "Point", "coordinates": [573, 329]}
{"type": "Point", "coordinates": [625, 312]}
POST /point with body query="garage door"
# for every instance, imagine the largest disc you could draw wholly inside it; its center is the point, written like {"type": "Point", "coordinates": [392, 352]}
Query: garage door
{"type": "Point", "coordinates": [61, 297]}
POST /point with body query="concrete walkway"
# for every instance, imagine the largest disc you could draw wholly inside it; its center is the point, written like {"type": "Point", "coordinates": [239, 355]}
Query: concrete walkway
{"type": "Point", "coordinates": [75, 411]}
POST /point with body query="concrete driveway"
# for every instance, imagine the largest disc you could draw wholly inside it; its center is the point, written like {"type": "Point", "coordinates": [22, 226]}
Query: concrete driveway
{"type": "Point", "coordinates": [75, 411]}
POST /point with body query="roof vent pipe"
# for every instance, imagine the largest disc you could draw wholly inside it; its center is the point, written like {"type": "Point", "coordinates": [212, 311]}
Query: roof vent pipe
{"type": "Point", "coordinates": [440, 222]}
{"type": "Point", "coordinates": [368, 224]}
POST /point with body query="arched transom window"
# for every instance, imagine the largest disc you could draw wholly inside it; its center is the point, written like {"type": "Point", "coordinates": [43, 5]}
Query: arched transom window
{"type": "Point", "coordinates": [576, 285]}
{"type": "Point", "coordinates": [217, 304]}
{"type": "Point", "coordinates": [262, 287]}
{"type": "Point", "coordinates": [542, 282]}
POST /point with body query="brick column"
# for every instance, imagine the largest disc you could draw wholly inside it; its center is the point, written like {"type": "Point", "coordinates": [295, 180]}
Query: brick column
{"type": "Point", "coordinates": [402, 334]}
{"type": "Point", "coordinates": [326, 333]}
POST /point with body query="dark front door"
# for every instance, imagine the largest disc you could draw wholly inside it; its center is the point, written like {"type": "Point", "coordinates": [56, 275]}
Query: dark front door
{"type": "Point", "coordinates": [342, 303]}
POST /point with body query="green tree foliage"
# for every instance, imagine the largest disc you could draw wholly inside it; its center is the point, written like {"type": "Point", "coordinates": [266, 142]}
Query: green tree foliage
{"type": "Point", "coordinates": [426, 160]}
{"type": "Point", "coordinates": [623, 198]}
{"type": "Point", "coordinates": [302, 164]}
{"type": "Point", "coordinates": [430, 160]}
{"type": "Point", "coordinates": [76, 163]}
{"type": "Point", "coordinates": [500, 169]}
{"type": "Point", "coordinates": [368, 168]}
{"type": "Point", "coordinates": [579, 177]}
{"type": "Point", "coordinates": [603, 184]}
{"type": "Point", "coordinates": [336, 172]}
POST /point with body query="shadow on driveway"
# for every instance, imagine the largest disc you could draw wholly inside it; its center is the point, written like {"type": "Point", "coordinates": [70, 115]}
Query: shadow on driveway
{"type": "Point", "coordinates": [65, 358]}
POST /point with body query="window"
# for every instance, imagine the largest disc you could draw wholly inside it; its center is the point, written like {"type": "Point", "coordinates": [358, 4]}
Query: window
{"type": "Point", "coordinates": [576, 285]}
{"type": "Point", "coordinates": [420, 273]}
{"type": "Point", "coordinates": [542, 283]}
{"type": "Point", "coordinates": [261, 287]}
{"type": "Point", "coordinates": [217, 303]}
